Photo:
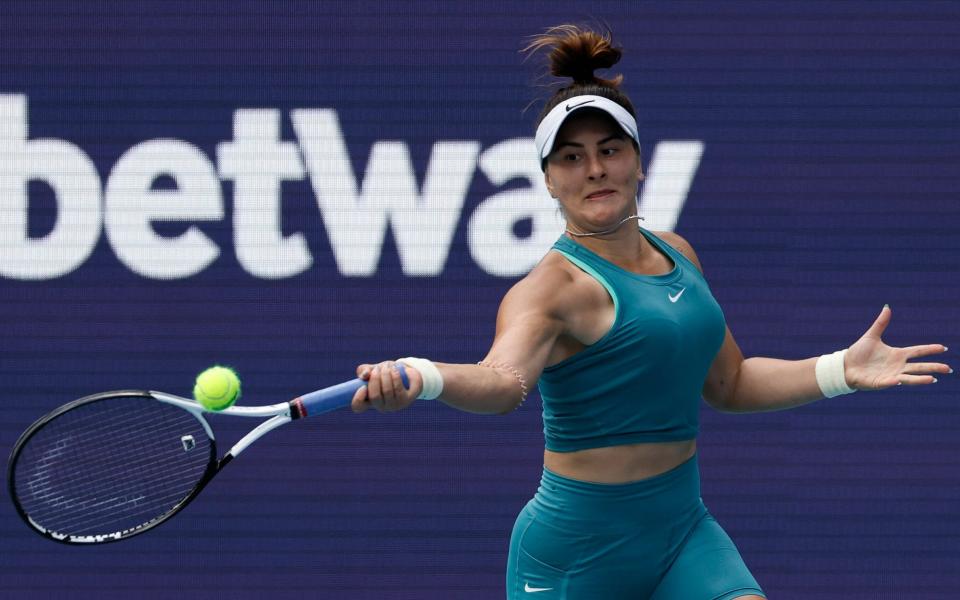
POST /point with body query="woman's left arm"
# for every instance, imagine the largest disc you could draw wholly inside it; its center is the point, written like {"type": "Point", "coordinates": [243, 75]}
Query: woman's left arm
{"type": "Point", "coordinates": [759, 384]}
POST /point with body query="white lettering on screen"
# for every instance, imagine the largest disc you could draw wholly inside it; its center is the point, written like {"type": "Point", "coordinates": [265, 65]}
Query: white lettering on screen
{"type": "Point", "coordinates": [355, 209]}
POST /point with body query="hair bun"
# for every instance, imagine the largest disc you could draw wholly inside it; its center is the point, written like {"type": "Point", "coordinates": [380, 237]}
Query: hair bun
{"type": "Point", "coordinates": [577, 52]}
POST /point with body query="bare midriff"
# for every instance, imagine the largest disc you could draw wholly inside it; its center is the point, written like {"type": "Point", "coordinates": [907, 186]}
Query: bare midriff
{"type": "Point", "coordinates": [620, 464]}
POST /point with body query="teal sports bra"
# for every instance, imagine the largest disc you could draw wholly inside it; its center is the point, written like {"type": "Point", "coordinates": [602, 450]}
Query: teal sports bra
{"type": "Point", "coordinates": [642, 381]}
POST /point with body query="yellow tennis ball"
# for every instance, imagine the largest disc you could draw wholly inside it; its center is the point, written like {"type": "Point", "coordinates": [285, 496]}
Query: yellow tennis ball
{"type": "Point", "coordinates": [217, 388]}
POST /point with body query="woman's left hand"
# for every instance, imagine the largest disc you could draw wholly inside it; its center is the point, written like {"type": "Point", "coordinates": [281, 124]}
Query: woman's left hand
{"type": "Point", "coordinates": [872, 365]}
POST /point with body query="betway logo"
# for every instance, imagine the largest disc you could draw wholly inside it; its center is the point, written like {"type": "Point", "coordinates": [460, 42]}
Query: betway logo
{"type": "Point", "coordinates": [355, 212]}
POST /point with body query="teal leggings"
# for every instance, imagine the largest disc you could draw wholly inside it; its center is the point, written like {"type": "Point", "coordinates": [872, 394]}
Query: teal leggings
{"type": "Point", "coordinates": [647, 539]}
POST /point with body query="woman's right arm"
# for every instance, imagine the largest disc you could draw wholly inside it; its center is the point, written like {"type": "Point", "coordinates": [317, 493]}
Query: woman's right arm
{"type": "Point", "coordinates": [530, 318]}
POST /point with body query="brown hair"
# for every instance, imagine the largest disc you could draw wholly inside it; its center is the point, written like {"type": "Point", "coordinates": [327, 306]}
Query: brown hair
{"type": "Point", "coordinates": [576, 52]}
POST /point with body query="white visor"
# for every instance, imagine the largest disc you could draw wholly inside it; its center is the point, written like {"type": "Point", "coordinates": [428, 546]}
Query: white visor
{"type": "Point", "coordinates": [550, 125]}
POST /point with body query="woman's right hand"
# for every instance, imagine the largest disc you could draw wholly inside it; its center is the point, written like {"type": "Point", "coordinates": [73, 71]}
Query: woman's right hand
{"type": "Point", "coordinates": [384, 390]}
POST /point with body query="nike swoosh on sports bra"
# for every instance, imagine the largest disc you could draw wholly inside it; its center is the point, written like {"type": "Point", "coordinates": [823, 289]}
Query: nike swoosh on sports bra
{"type": "Point", "coordinates": [642, 381]}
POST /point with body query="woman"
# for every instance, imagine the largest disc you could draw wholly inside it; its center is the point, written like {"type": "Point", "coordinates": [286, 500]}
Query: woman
{"type": "Point", "coordinates": [620, 329]}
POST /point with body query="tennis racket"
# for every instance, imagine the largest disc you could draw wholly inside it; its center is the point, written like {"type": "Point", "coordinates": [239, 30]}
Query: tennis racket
{"type": "Point", "coordinates": [114, 465]}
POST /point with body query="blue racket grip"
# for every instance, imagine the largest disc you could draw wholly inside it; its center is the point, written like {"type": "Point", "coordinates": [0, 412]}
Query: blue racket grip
{"type": "Point", "coordinates": [334, 397]}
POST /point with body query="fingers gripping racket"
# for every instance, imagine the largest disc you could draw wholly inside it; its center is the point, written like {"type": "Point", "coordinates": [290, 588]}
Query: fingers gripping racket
{"type": "Point", "coordinates": [117, 464]}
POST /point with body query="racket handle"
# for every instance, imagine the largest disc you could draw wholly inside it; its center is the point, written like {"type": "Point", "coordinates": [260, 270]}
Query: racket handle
{"type": "Point", "coordinates": [334, 397]}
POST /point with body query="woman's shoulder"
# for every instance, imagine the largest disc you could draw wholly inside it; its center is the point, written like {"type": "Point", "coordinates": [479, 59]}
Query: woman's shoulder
{"type": "Point", "coordinates": [552, 273]}
{"type": "Point", "coordinates": [681, 245]}
{"type": "Point", "coordinates": [554, 285]}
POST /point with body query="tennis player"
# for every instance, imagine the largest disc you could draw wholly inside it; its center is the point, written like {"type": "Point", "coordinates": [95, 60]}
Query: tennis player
{"type": "Point", "coordinates": [618, 326]}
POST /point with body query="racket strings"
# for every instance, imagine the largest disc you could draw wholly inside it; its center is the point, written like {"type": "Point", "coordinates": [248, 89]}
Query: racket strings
{"type": "Point", "coordinates": [90, 468]}
{"type": "Point", "coordinates": [90, 465]}
{"type": "Point", "coordinates": [110, 465]}
{"type": "Point", "coordinates": [66, 495]}
{"type": "Point", "coordinates": [114, 502]}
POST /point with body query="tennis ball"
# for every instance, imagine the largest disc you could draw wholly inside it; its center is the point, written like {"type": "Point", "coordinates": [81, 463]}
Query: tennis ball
{"type": "Point", "coordinates": [217, 388]}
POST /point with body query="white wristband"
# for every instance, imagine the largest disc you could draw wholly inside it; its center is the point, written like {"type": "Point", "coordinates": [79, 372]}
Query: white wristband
{"type": "Point", "coordinates": [432, 379]}
{"type": "Point", "coordinates": [830, 375]}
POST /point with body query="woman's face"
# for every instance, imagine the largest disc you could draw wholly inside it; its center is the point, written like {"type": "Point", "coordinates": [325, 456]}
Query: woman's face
{"type": "Point", "coordinates": [593, 171]}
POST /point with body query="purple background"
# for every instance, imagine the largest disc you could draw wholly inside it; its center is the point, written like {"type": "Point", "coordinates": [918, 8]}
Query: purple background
{"type": "Point", "coordinates": [826, 189]}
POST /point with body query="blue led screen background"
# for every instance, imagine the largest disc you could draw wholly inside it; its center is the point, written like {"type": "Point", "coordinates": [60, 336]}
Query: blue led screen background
{"type": "Point", "coordinates": [292, 188]}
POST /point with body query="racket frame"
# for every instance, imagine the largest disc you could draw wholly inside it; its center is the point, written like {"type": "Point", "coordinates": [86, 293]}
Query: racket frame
{"type": "Point", "coordinates": [315, 403]}
{"type": "Point", "coordinates": [279, 414]}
